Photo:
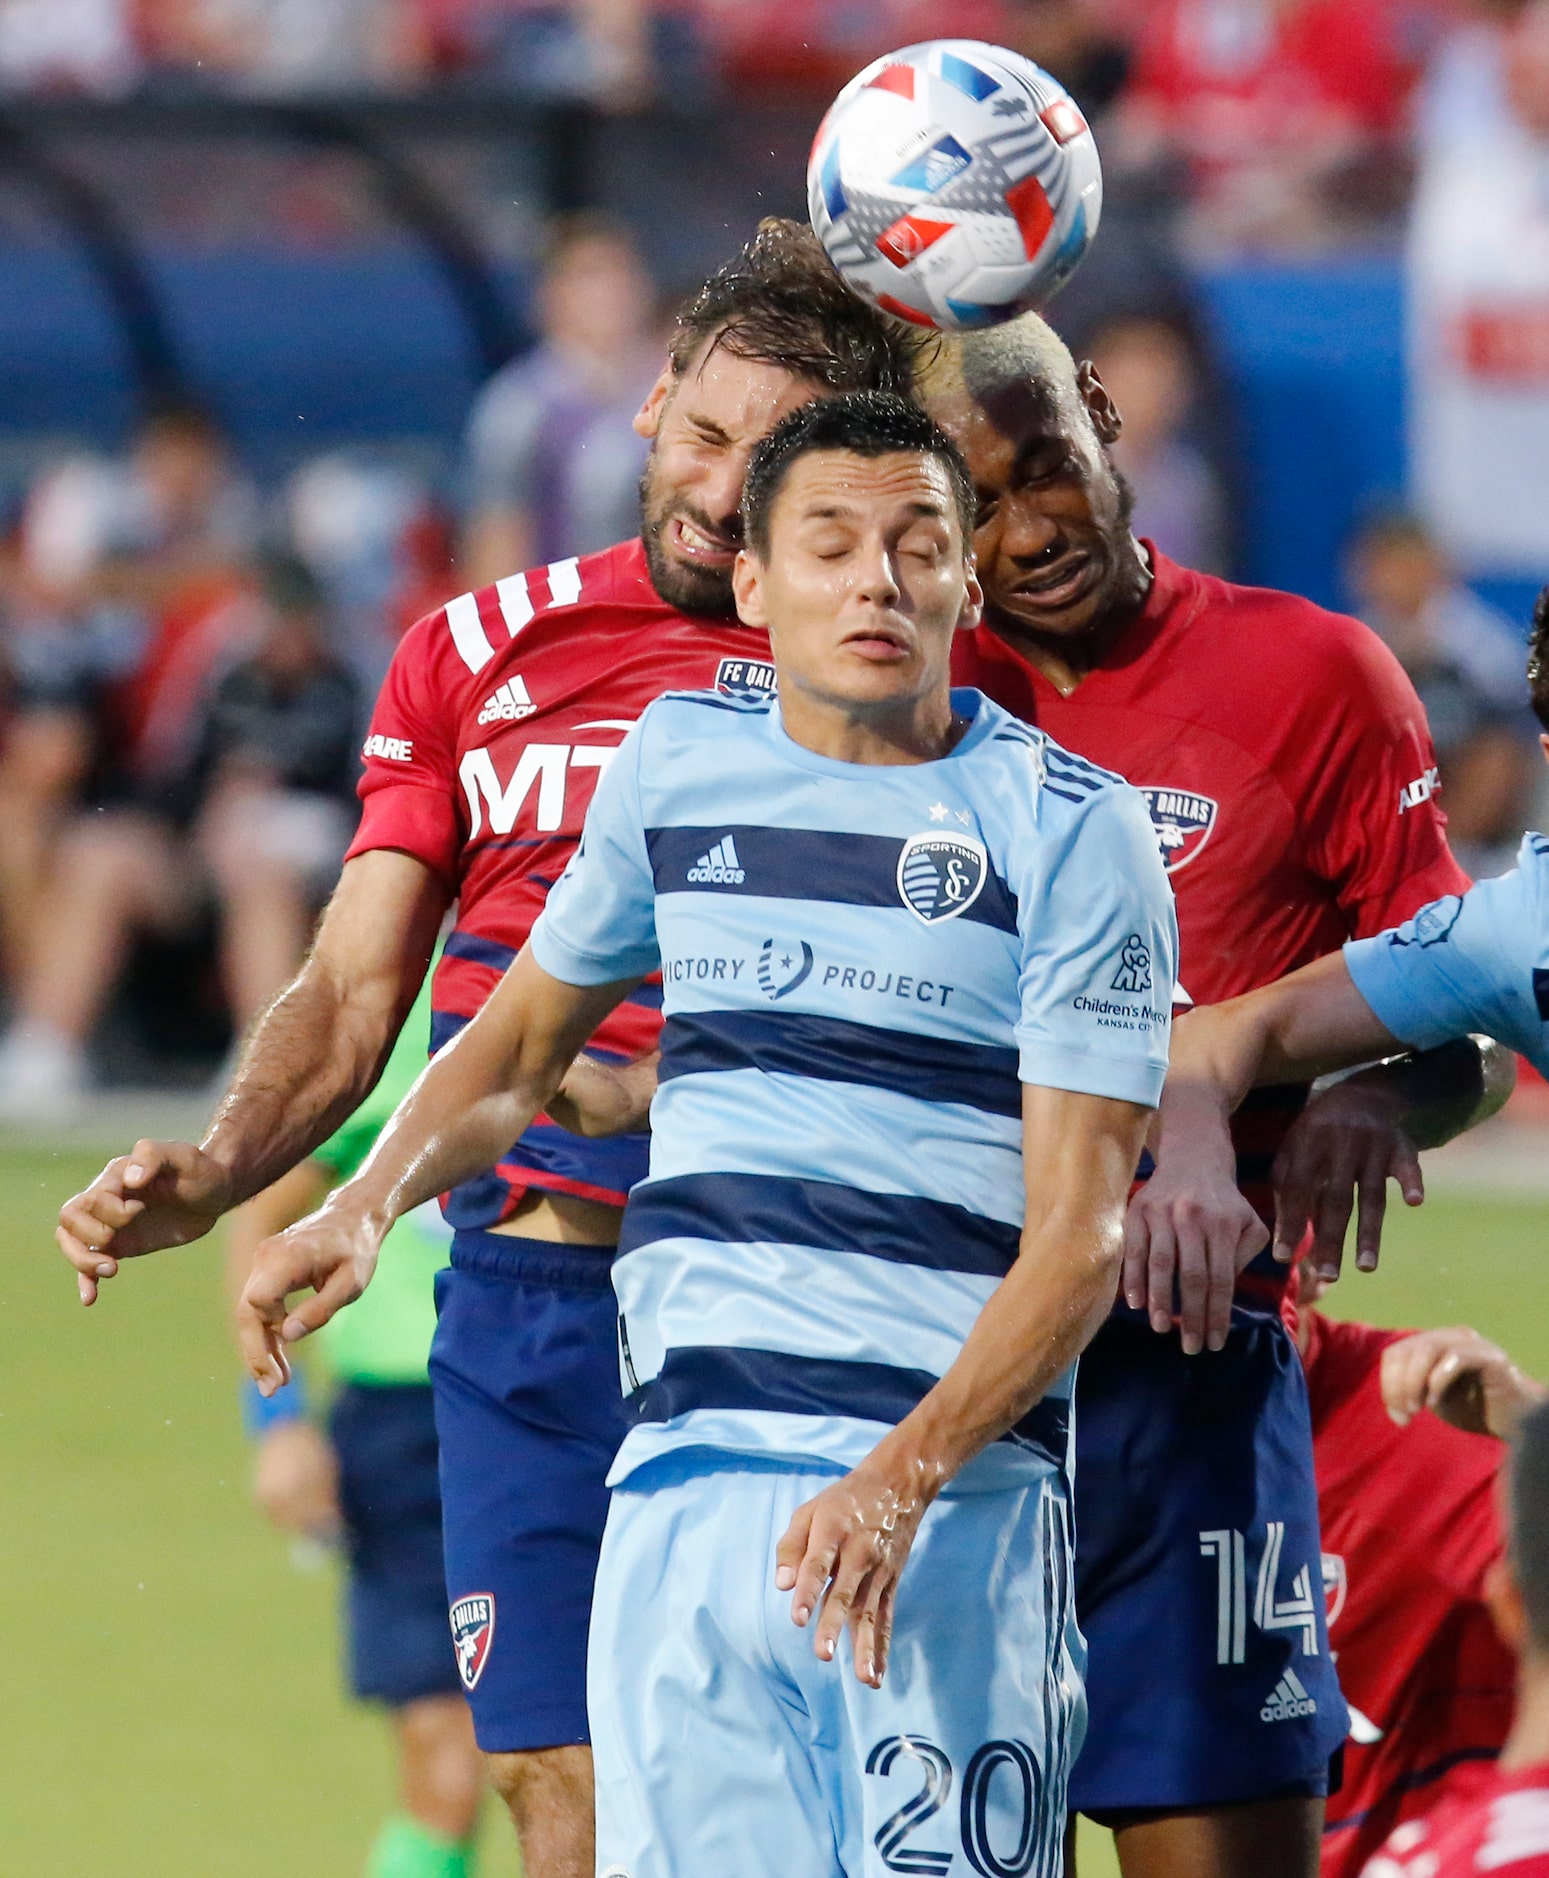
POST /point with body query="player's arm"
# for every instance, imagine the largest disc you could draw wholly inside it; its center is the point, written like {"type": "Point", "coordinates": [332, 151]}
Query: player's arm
{"type": "Point", "coordinates": [477, 1096]}
{"type": "Point", "coordinates": [314, 1054]}
{"type": "Point", "coordinates": [597, 1098]}
{"type": "Point", "coordinates": [852, 1541]}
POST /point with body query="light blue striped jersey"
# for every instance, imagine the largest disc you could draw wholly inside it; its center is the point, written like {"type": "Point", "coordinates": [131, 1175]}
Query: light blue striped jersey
{"type": "Point", "coordinates": [860, 967]}
{"type": "Point", "coordinates": [1472, 961]}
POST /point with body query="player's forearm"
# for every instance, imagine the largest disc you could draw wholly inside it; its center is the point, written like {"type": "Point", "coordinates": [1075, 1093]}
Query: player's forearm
{"type": "Point", "coordinates": [1034, 1326]}
{"type": "Point", "coordinates": [313, 1057]}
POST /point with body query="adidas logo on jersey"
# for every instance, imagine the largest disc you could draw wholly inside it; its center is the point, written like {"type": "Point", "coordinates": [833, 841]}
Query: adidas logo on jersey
{"type": "Point", "coordinates": [720, 867]}
{"type": "Point", "coordinates": [508, 704]}
{"type": "Point", "coordinates": [1289, 1702]}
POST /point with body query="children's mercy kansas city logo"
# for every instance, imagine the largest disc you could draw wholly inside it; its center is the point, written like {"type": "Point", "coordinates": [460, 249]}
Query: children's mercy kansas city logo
{"type": "Point", "coordinates": [473, 1631]}
{"type": "Point", "coordinates": [1182, 820]}
{"type": "Point", "coordinates": [1134, 973]}
{"type": "Point", "coordinates": [939, 876]}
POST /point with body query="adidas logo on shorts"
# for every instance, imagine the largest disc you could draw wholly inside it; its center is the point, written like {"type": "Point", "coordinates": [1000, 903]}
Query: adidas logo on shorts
{"type": "Point", "coordinates": [508, 704]}
{"type": "Point", "coordinates": [1289, 1702]}
{"type": "Point", "coordinates": [720, 867]}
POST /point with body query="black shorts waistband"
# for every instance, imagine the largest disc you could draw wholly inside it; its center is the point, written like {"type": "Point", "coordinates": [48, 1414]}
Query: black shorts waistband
{"type": "Point", "coordinates": [533, 1261]}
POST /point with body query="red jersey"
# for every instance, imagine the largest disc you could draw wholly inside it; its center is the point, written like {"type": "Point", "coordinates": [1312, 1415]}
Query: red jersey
{"type": "Point", "coordinates": [1410, 1528]}
{"type": "Point", "coordinates": [1291, 781]}
{"type": "Point", "coordinates": [1500, 1823]}
{"type": "Point", "coordinates": [498, 714]}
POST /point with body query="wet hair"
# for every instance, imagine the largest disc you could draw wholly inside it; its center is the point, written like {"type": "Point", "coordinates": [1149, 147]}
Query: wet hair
{"type": "Point", "coordinates": [1023, 350]}
{"type": "Point", "coordinates": [779, 302]}
{"type": "Point", "coordinates": [1528, 1543]}
{"type": "Point", "coordinates": [1538, 659]}
{"type": "Point", "coordinates": [866, 423]}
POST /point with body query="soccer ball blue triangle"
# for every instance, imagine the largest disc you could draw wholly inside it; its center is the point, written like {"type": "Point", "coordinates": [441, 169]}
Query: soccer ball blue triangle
{"type": "Point", "coordinates": [967, 78]}
{"type": "Point", "coordinates": [833, 189]}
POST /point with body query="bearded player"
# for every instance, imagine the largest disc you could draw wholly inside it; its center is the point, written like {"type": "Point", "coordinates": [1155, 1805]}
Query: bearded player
{"type": "Point", "coordinates": [1291, 781]}
{"type": "Point", "coordinates": [498, 715]}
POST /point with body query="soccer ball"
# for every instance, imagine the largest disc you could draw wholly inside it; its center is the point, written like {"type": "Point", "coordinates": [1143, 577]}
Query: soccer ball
{"type": "Point", "coordinates": [954, 184]}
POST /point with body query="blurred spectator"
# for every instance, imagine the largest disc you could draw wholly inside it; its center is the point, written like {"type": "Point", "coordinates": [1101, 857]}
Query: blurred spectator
{"type": "Point", "coordinates": [1479, 309]}
{"type": "Point", "coordinates": [815, 46]}
{"type": "Point", "coordinates": [1147, 365]}
{"type": "Point", "coordinates": [553, 464]}
{"type": "Point", "coordinates": [125, 591]}
{"type": "Point", "coordinates": [1285, 117]}
{"type": "Point", "coordinates": [612, 52]}
{"type": "Point", "coordinates": [67, 45]}
{"type": "Point", "coordinates": [1467, 665]}
{"type": "Point", "coordinates": [281, 45]}
{"type": "Point", "coordinates": [370, 531]}
{"type": "Point", "coordinates": [256, 818]}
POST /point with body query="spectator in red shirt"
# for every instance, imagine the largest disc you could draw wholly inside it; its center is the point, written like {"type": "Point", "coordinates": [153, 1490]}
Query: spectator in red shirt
{"type": "Point", "coordinates": [1411, 1533]}
{"type": "Point", "coordinates": [1501, 1824]}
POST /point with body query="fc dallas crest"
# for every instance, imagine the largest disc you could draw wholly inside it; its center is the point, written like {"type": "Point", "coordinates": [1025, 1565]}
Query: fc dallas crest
{"type": "Point", "coordinates": [1183, 821]}
{"type": "Point", "coordinates": [473, 1631]}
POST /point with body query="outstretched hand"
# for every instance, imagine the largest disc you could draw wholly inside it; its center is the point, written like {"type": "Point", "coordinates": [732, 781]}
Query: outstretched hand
{"type": "Point", "coordinates": [845, 1551]}
{"type": "Point", "coordinates": [162, 1193]}
{"type": "Point", "coordinates": [331, 1254]}
{"type": "Point", "coordinates": [1338, 1157]}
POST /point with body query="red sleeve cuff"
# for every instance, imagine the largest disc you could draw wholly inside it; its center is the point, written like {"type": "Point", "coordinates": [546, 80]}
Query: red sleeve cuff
{"type": "Point", "coordinates": [416, 821]}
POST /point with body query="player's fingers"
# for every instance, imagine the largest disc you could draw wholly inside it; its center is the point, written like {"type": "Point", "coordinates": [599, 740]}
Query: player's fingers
{"type": "Point", "coordinates": [1371, 1210]}
{"type": "Point", "coordinates": [1331, 1219]}
{"type": "Point", "coordinates": [863, 1628]}
{"type": "Point", "coordinates": [148, 1161]}
{"type": "Point", "coordinates": [1137, 1242]}
{"type": "Point", "coordinates": [882, 1629]}
{"type": "Point", "coordinates": [815, 1569]}
{"type": "Point", "coordinates": [851, 1567]}
{"type": "Point", "coordinates": [341, 1287]}
{"type": "Point", "coordinates": [1295, 1196]}
{"type": "Point", "coordinates": [258, 1338]}
{"type": "Point", "coordinates": [85, 1255]}
{"type": "Point", "coordinates": [1405, 1366]}
{"type": "Point", "coordinates": [792, 1547]}
{"type": "Point", "coordinates": [1160, 1266]}
{"type": "Point", "coordinates": [1193, 1242]}
{"type": "Point", "coordinates": [1443, 1373]}
{"type": "Point", "coordinates": [1404, 1167]}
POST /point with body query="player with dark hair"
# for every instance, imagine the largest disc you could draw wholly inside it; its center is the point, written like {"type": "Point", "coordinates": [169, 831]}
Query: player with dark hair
{"type": "Point", "coordinates": [1291, 783]}
{"type": "Point", "coordinates": [899, 1113]}
{"type": "Point", "coordinates": [1502, 1824]}
{"type": "Point", "coordinates": [499, 714]}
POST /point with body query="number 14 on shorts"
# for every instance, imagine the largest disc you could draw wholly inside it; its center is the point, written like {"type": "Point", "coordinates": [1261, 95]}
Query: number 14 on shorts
{"type": "Point", "coordinates": [1228, 1547]}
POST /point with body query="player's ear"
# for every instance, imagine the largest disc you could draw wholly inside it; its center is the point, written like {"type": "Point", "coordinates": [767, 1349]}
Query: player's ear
{"type": "Point", "coordinates": [973, 600]}
{"type": "Point", "coordinates": [648, 419]}
{"type": "Point", "coordinates": [1504, 1602]}
{"type": "Point", "coordinates": [1101, 408]}
{"type": "Point", "coordinates": [747, 584]}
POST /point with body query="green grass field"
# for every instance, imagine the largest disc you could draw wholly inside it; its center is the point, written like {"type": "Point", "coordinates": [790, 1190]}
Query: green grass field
{"type": "Point", "coordinates": [171, 1704]}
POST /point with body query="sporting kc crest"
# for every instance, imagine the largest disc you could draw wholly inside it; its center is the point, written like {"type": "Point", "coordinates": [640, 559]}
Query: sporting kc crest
{"type": "Point", "coordinates": [1182, 820]}
{"type": "Point", "coordinates": [473, 1631]}
{"type": "Point", "coordinates": [939, 876]}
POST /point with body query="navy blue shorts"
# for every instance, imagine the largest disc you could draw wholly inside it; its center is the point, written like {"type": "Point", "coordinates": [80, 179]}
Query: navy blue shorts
{"type": "Point", "coordinates": [1198, 1573]}
{"type": "Point", "coordinates": [395, 1594]}
{"type": "Point", "coordinates": [530, 1413]}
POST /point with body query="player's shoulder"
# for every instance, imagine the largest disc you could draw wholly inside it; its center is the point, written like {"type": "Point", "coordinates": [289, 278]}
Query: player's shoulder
{"type": "Point", "coordinates": [601, 592]}
{"type": "Point", "coordinates": [1494, 1823]}
{"type": "Point", "coordinates": [1293, 644]}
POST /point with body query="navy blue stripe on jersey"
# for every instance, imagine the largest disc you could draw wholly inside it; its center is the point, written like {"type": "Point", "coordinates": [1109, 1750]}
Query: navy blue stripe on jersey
{"type": "Point", "coordinates": [805, 864]}
{"type": "Point", "coordinates": [715, 1376]}
{"type": "Point", "coordinates": [933, 1069]}
{"type": "Point", "coordinates": [744, 1209]}
{"type": "Point", "coordinates": [721, 701]}
{"type": "Point", "coordinates": [1065, 795]}
{"type": "Point", "coordinates": [467, 945]}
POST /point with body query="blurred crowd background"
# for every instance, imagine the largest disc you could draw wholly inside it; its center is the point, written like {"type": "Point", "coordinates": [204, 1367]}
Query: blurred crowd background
{"type": "Point", "coordinates": [314, 312]}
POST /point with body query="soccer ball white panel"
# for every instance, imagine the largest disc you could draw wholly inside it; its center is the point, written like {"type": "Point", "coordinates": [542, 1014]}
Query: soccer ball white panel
{"type": "Point", "coordinates": [955, 184]}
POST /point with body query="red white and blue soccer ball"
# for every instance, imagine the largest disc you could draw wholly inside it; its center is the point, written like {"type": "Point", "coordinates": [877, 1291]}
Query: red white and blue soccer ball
{"type": "Point", "coordinates": [955, 184]}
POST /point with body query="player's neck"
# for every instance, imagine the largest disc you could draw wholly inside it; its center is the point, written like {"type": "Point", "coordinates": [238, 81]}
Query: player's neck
{"type": "Point", "coordinates": [1528, 1743]}
{"type": "Point", "coordinates": [1065, 659]}
{"type": "Point", "coordinates": [915, 730]}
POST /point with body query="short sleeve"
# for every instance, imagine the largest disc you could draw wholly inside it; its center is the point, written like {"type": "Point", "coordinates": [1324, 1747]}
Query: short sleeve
{"type": "Point", "coordinates": [408, 788]}
{"type": "Point", "coordinates": [1099, 956]}
{"type": "Point", "coordinates": [1463, 963]}
{"type": "Point", "coordinates": [1374, 827]}
{"type": "Point", "coordinates": [599, 921]}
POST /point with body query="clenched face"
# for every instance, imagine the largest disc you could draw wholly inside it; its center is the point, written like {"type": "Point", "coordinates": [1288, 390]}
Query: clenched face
{"type": "Point", "coordinates": [1052, 540]}
{"type": "Point", "coordinates": [703, 426]}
